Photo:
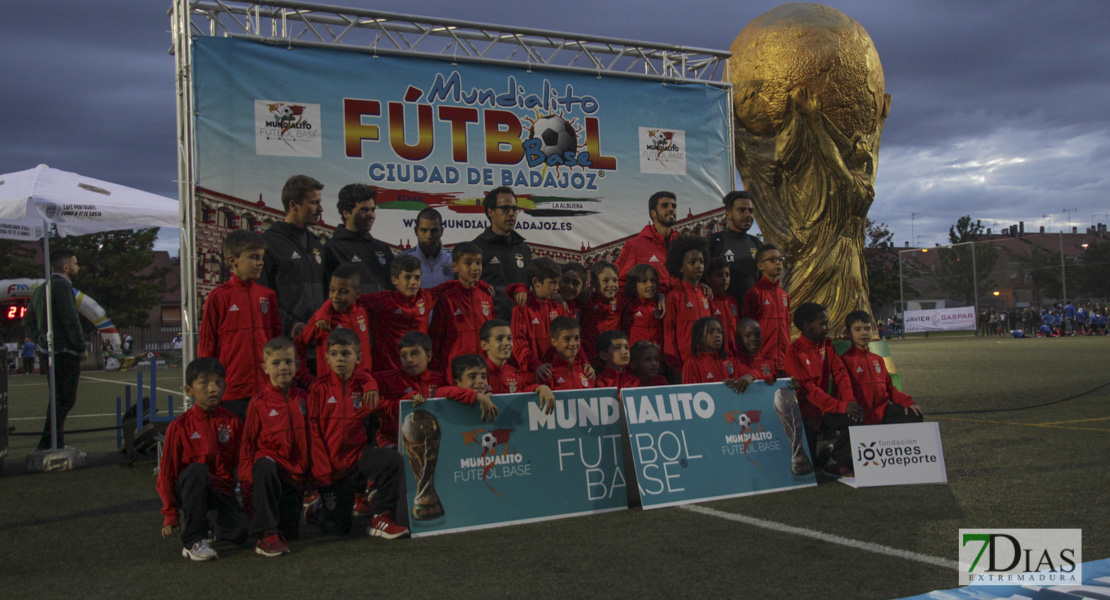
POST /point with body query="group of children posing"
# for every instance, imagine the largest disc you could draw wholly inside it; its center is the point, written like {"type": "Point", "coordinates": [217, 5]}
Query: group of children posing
{"type": "Point", "coordinates": [323, 444]}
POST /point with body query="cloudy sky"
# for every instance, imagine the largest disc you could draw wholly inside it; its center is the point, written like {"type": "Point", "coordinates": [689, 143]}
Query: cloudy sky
{"type": "Point", "coordinates": [1001, 110]}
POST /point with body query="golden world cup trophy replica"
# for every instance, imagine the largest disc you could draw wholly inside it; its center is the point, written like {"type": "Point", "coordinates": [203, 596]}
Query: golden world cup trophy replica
{"type": "Point", "coordinates": [809, 102]}
{"type": "Point", "coordinates": [421, 436]}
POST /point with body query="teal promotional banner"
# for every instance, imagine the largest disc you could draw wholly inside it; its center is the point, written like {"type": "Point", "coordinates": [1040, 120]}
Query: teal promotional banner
{"type": "Point", "coordinates": [462, 473]}
{"type": "Point", "coordinates": [692, 443]}
{"type": "Point", "coordinates": [582, 151]}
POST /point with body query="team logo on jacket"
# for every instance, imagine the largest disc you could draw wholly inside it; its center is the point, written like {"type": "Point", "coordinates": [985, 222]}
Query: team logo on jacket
{"type": "Point", "coordinates": [520, 261]}
{"type": "Point", "coordinates": [485, 308]}
{"type": "Point", "coordinates": [431, 391]}
{"type": "Point", "coordinates": [223, 433]}
{"type": "Point", "coordinates": [585, 382]}
{"type": "Point", "coordinates": [420, 306]}
{"type": "Point", "coordinates": [753, 250]}
{"type": "Point", "coordinates": [381, 257]}
{"type": "Point", "coordinates": [705, 303]}
{"type": "Point", "coordinates": [766, 370]}
{"type": "Point", "coordinates": [511, 384]}
{"type": "Point", "coordinates": [361, 323]}
{"type": "Point", "coordinates": [356, 400]}
{"type": "Point", "coordinates": [729, 367]}
{"type": "Point", "coordinates": [316, 253]}
{"type": "Point", "coordinates": [785, 301]}
{"type": "Point", "coordinates": [875, 363]}
{"type": "Point", "coordinates": [264, 305]}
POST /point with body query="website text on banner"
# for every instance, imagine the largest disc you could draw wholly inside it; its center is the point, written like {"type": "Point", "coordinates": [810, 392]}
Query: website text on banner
{"type": "Point", "coordinates": [941, 319]}
{"type": "Point", "coordinates": [582, 152]}
{"type": "Point", "coordinates": [692, 443]}
{"type": "Point", "coordinates": [463, 474]}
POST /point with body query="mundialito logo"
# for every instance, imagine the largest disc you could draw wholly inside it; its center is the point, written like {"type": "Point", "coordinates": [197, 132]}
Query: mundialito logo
{"type": "Point", "coordinates": [287, 129]}
{"type": "Point", "coordinates": [1021, 556]}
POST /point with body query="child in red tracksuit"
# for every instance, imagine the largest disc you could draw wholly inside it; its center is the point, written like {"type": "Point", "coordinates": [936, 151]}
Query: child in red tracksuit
{"type": "Point", "coordinates": [339, 310]}
{"type": "Point", "coordinates": [709, 363]}
{"type": "Point", "coordinates": [343, 461]}
{"type": "Point", "coordinates": [572, 287]}
{"type": "Point", "coordinates": [394, 313]}
{"type": "Point", "coordinates": [642, 315]}
{"type": "Point", "coordinates": [686, 303]}
{"type": "Point", "coordinates": [646, 362]}
{"type": "Point", "coordinates": [531, 322]}
{"type": "Point", "coordinates": [413, 378]}
{"type": "Point", "coordinates": [462, 305]}
{"type": "Point", "coordinates": [501, 376]}
{"type": "Point", "coordinates": [603, 311]}
{"type": "Point", "coordinates": [567, 369]}
{"type": "Point", "coordinates": [871, 383]}
{"type": "Point", "coordinates": [769, 304]}
{"type": "Point", "coordinates": [723, 306]}
{"type": "Point", "coordinates": [197, 472]}
{"type": "Point", "coordinates": [240, 316]}
{"type": "Point", "coordinates": [613, 349]}
{"type": "Point", "coordinates": [274, 467]}
{"type": "Point", "coordinates": [812, 361]}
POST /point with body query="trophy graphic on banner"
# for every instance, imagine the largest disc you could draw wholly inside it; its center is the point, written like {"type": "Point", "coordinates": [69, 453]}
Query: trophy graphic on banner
{"type": "Point", "coordinates": [421, 434]}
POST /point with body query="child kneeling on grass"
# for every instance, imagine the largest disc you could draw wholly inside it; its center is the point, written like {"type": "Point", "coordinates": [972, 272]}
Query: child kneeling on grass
{"type": "Point", "coordinates": [871, 383]}
{"type": "Point", "coordinates": [197, 472]}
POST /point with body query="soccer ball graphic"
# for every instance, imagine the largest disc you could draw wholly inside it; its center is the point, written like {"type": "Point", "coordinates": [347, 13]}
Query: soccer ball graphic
{"type": "Point", "coordinates": [489, 440]}
{"type": "Point", "coordinates": [285, 112]}
{"type": "Point", "coordinates": [555, 134]}
{"type": "Point", "coordinates": [659, 139]}
{"type": "Point", "coordinates": [744, 421]}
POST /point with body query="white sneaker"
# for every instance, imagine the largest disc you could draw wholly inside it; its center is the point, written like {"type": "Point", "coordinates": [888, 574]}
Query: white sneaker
{"type": "Point", "coordinates": [201, 550]}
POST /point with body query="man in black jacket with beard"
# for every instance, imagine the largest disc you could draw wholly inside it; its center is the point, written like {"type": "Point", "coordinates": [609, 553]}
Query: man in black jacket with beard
{"type": "Point", "coordinates": [505, 254]}
{"type": "Point", "coordinates": [736, 245]}
{"type": "Point", "coordinates": [294, 263]}
{"type": "Point", "coordinates": [353, 243]}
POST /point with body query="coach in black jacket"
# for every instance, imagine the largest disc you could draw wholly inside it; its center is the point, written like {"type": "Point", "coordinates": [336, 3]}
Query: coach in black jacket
{"type": "Point", "coordinates": [294, 265]}
{"type": "Point", "coordinates": [505, 254]}
{"type": "Point", "coordinates": [736, 245]}
{"type": "Point", "coordinates": [353, 243]}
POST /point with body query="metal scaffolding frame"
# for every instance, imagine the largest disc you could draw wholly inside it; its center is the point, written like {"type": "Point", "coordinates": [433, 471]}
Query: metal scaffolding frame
{"type": "Point", "coordinates": [296, 24]}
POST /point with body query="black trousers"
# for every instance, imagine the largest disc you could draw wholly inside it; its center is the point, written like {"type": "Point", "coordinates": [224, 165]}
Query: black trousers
{"type": "Point", "coordinates": [896, 413]}
{"type": "Point", "coordinates": [67, 372]}
{"type": "Point", "coordinates": [277, 504]}
{"type": "Point", "coordinates": [834, 428]}
{"type": "Point", "coordinates": [380, 465]}
{"type": "Point", "coordinates": [201, 509]}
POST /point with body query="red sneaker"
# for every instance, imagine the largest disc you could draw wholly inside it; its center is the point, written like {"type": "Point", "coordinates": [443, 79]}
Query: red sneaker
{"type": "Point", "coordinates": [364, 505]}
{"type": "Point", "coordinates": [271, 544]}
{"type": "Point", "coordinates": [383, 526]}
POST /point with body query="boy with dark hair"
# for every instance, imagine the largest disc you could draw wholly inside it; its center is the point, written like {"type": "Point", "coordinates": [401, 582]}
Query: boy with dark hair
{"type": "Point", "coordinates": [532, 321]}
{"type": "Point", "coordinates": [871, 383]}
{"type": "Point", "coordinates": [341, 309]}
{"type": "Point", "coordinates": [567, 371]}
{"type": "Point", "coordinates": [723, 306]}
{"type": "Point", "coordinates": [646, 362]}
{"type": "Point", "coordinates": [339, 405]}
{"type": "Point", "coordinates": [813, 362]}
{"type": "Point", "coordinates": [393, 314]}
{"type": "Point", "coordinates": [769, 304]}
{"type": "Point", "coordinates": [274, 455]}
{"type": "Point", "coordinates": [614, 351]}
{"type": "Point", "coordinates": [462, 306]}
{"type": "Point", "coordinates": [197, 472]}
{"type": "Point", "coordinates": [240, 316]}
{"type": "Point", "coordinates": [501, 376]}
{"type": "Point", "coordinates": [686, 303]}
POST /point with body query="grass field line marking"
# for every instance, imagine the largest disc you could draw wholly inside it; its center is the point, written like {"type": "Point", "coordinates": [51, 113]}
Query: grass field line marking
{"type": "Point", "coordinates": [1047, 426]}
{"type": "Point", "coordinates": [1077, 421]}
{"type": "Point", "coordinates": [175, 392]}
{"type": "Point", "coordinates": [826, 537]}
{"type": "Point", "coordinates": [68, 417]}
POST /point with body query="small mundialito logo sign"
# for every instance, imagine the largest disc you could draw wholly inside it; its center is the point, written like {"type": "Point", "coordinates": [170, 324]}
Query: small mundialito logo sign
{"type": "Point", "coordinates": [1021, 556]}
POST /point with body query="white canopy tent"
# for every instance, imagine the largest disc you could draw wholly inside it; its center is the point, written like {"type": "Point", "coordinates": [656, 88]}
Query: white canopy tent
{"type": "Point", "coordinates": [32, 201]}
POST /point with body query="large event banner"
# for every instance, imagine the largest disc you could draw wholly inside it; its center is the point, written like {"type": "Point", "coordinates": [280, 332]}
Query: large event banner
{"type": "Point", "coordinates": [583, 152]}
{"type": "Point", "coordinates": [462, 473]}
{"type": "Point", "coordinates": [692, 443]}
{"type": "Point", "coordinates": [961, 318]}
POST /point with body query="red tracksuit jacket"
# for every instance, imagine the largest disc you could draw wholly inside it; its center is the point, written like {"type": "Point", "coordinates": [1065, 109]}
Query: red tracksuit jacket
{"type": "Point", "coordinates": [638, 320]}
{"type": "Point", "coordinates": [707, 367]}
{"type": "Point", "coordinates": [617, 379]}
{"type": "Point", "coordinates": [459, 313]}
{"type": "Point", "coordinates": [567, 376]}
{"type": "Point", "coordinates": [871, 384]}
{"type": "Point", "coordinates": [337, 412]}
{"type": "Point", "coordinates": [532, 328]}
{"type": "Point", "coordinates": [759, 367]}
{"type": "Point", "coordinates": [392, 315]}
{"type": "Point", "coordinates": [599, 316]}
{"type": "Point", "coordinates": [198, 436]}
{"type": "Point", "coordinates": [814, 365]}
{"type": "Point", "coordinates": [685, 305]}
{"type": "Point", "coordinates": [769, 304]}
{"type": "Point", "coordinates": [277, 428]}
{"type": "Point", "coordinates": [396, 385]}
{"type": "Point", "coordinates": [506, 379]}
{"type": "Point", "coordinates": [726, 309]}
{"type": "Point", "coordinates": [239, 318]}
{"type": "Point", "coordinates": [648, 247]}
{"type": "Point", "coordinates": [354, 318]}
